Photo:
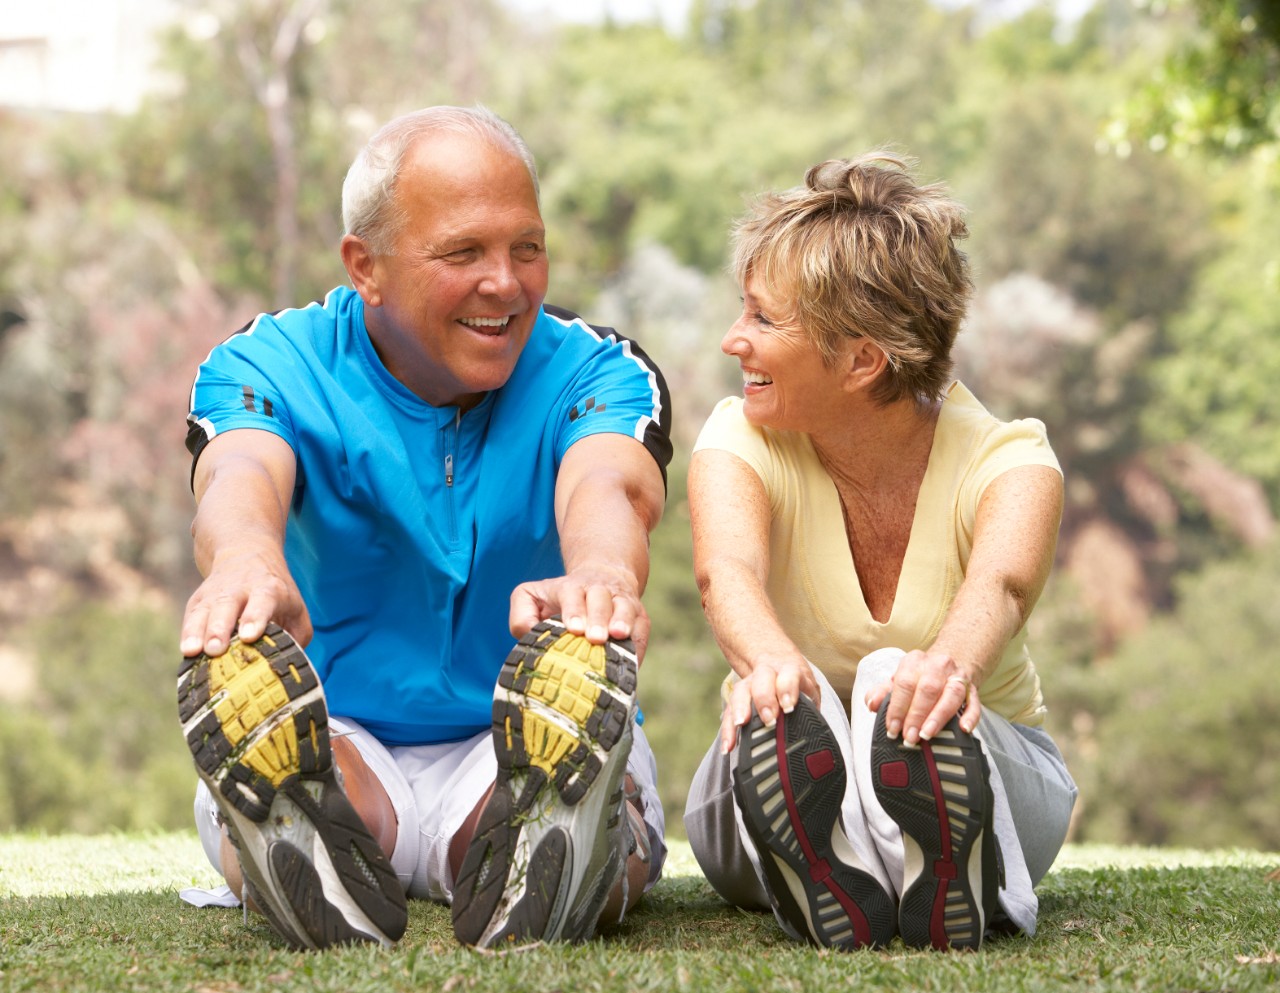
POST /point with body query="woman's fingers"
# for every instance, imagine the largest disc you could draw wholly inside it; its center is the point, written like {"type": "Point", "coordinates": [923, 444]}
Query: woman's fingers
{"type": "Point", "coordinates": [955, 691]}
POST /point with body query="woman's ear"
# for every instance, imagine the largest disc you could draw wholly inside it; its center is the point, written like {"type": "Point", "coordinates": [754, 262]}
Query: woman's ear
{"type": "Point", "coordinates": [865, 362]}
{"type": "Point", "coordinates": [359, 263]}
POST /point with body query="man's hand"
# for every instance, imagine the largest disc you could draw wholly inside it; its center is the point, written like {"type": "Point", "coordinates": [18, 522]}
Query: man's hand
{"type": "Point", "coordinates": [244, 590]}
{"type": "Point", "coordinates": [597, 603]}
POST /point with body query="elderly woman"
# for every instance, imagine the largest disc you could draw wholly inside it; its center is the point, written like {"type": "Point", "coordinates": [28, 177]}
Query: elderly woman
{"type": "Point", "coordinates": [869, 542]}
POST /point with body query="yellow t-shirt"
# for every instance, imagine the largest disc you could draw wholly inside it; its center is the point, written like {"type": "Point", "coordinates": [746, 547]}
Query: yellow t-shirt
{"type": "Point", "coordinates": [812, 582]}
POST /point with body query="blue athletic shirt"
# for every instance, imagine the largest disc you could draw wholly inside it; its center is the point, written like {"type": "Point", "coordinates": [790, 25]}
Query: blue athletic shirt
{"type": "Point", "coordinates": [411, 524]}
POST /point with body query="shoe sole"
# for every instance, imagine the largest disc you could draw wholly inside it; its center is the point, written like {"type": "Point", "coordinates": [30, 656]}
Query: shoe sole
{"type": "Point", "coordinates": [939, 794]}
{"type": "Point", "coordinates": [790, 784]}
{"type": "Point", "coordinates": [562, 715]}
{"type": "Point", "coordinates": [257, 726]}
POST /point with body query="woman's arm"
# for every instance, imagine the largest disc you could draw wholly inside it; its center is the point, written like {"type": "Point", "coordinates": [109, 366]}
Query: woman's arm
{"type": "Point", "coordinates": [729, 510]}
{"type": "Point", "coordinates": [1015, 535]}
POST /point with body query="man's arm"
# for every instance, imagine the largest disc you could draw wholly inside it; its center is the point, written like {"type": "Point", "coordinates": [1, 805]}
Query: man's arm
{"type": "Point", "coordinates": [243, 485]}
{"type": "Point", "coordinates": [609, 496]}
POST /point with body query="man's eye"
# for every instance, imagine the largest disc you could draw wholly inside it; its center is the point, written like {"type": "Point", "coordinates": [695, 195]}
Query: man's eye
{"type": "Point", "coordinates": [528, 251]}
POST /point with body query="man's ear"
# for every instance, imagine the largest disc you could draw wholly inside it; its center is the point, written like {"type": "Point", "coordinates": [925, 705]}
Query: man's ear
{"type": "Point", "coordinates": [865, 362]}
{"type": "Point", "coordinates": [359, 262]}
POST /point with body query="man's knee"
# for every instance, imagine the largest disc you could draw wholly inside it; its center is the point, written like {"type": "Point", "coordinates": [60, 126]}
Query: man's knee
{"type": "Point", "coordinates": [367, 794]}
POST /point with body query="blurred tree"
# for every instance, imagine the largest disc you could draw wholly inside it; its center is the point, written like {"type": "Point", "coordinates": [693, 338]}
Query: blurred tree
{"type": "Point", "coordinates": [105, 752]}
{"type": "Point", "coordinates": [1187, 737]}
{"type": "Point", "coordinates": [1217, 381]}
{"type": "Point", "coordinates": [832, 63]}
{"type": "Point", "coordinates": [115, 318]}
{"type": "Point", "coordinates": [270, 100]}
{"type": "Point", "coordinates": [1214, 100]}
{"type": "Point", "coordinates": [1219, 88]}
{"type": "Point", "coordinates": [228, 171]}
{"type": "Point", "coordinates": [683, 668]}
{"type": "Point", "coordinates": [1123, 235]}
{"type": "Point", "coordinates": [268, 37]}
{"type": "Point", "coordinates": [661, 153]}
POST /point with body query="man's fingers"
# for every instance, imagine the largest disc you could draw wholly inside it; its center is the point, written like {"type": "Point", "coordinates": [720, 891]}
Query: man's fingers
{"type": "Point", "coordinates": [640, 635]}
{"type": "Point", "coordinates": [194, 624]}
{"type": "Point", "coordinates": [257, 614]}
{"type": "Point", "coordinates": [525, 610]}
{"type": "Point", "coordinates": [600, 612]}
{"type": "Point", "coordinates": [222, 623]}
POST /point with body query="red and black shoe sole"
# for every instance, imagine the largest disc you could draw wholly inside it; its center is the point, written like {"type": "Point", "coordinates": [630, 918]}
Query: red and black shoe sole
{"type": "Point", "coordinates": [790, 782]}
{"type": "Point", "coordinates": [939, 794]}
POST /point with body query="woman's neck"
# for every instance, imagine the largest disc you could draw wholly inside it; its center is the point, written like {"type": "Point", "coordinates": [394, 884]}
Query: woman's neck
{"type": "Point", "coordinates": [877, 445]}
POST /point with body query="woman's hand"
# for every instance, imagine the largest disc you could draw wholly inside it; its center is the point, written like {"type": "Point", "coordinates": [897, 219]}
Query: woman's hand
{"type": "Point", "coordinates": [926, 691]}
{"type": "Point", "coordinates": [773, 687]}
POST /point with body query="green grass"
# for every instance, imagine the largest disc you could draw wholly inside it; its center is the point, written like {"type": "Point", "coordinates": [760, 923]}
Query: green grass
{"type": "Point", "coordinates": [103, 914]}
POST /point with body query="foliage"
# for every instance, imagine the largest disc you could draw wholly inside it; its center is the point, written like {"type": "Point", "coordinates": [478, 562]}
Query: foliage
{"type": "Point", "coordinates": [1149, 922]}
{"type": "Point", "coordinates": [1186, 723]}
{"type": "Point", "coordinates": [683, 669]}
{"type": "Point", "coordinates": [1050, 203]}
{"type": "Point", "coordinates": [204, 151]}
{"type": "Point", "coordinates": [1219, 88]}
{"type": "Point", "coordinates": [100, 749]}
{"type": "Point", "coordinates": [1216, 381]}
{"type": "Point", "coordinates": [1127, 298]}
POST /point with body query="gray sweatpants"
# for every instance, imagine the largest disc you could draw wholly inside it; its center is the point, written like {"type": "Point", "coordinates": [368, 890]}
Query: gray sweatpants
{"type": "Point", "coordinates": [1034, 795]}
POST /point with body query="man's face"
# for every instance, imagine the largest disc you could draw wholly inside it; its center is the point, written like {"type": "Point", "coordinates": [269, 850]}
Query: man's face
{"type": "Point", "coordinates": [453, 307]}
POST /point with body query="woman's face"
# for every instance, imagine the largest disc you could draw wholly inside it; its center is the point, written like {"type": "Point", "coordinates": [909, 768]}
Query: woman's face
{"type": "Point", "coordinates": [785, 383]}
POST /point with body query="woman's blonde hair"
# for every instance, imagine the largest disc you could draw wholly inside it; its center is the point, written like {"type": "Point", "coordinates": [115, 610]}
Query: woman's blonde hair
{"type": "Point", "coordinates": [862, 250]}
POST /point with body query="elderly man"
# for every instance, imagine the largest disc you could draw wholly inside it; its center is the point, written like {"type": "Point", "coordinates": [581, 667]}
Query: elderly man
{"type": "Point", "coordinates": [402, 479]}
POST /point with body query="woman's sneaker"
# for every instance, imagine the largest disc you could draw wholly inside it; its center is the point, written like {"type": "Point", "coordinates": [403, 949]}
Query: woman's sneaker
{"type": "Point", "coordinates": [256, 723]}
{"type": "Point", "coordinates": [552, 841]}
{"type": "Point", "coordinates": [789, 782]}
{"type": "Point", "coordinates": [939, 793]}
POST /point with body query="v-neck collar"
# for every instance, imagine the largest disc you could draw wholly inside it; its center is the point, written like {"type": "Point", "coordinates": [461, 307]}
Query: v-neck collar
{"type": "Point", "coordinates": [917, 576]}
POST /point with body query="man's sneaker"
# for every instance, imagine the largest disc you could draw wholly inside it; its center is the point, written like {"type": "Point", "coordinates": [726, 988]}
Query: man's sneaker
{"type": "Point", "coordinates": [553, 840]}
{"type": "Point", "coordinates": [789, 782]}
{"type": "Point", "coordinates": [256, 723]}
{"type": "Point", "coordinates": [939, 793]}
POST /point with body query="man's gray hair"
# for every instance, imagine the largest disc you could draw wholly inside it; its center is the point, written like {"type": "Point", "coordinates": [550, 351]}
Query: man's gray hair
{"type": "Point", "coordinates": [369, 207]}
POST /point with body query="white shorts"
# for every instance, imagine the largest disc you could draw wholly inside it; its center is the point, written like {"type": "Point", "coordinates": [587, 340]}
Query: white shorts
{"type": "Point", "coordinates": [437, 787]}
